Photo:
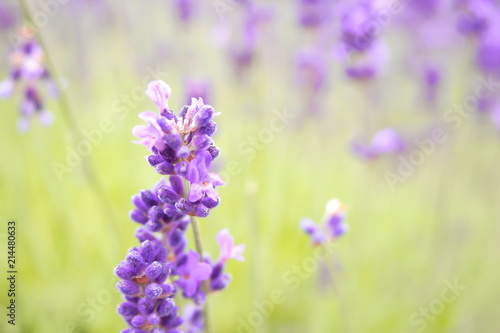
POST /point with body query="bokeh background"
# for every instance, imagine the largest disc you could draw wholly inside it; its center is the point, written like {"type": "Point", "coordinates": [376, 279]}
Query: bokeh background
{"type": "Point", "coordinates": [407, 242]}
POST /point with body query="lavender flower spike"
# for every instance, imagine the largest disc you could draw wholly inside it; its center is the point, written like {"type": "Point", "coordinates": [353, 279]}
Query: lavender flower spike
{"type": "Point", "coordinates": [333, 224]}
{"type": "Point", "coordinates": [181, 147]}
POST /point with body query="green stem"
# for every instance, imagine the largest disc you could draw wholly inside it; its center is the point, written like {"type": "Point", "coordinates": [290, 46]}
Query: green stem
{"type": "Point", "coordinates": [73, 124]}
{"type": "Point", "coordinates": [198, 242]}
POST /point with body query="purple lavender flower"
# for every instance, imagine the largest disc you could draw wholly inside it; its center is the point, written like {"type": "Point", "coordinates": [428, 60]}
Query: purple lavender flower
{"type": "Point", "coordinates": [192, 272]}
{"type": "Point", "coordinates": [181, 148]}
{"type": "Point", "coordinates": [28, 70]}
{"type": "Point", "coordinates": [386, 141]}
{"type": "Point", "coordinates": [7, 17]}
{"type": "Point", "coordinates": [314, 13]}
{"type": "Point", "coordinates": [203, 183]}
{"type": "Point", "coordinates": [227, 248]}
{"type": "Point", "coordinates": [332, 226]}
{"type": "Point", "coordinates": [149, 296]}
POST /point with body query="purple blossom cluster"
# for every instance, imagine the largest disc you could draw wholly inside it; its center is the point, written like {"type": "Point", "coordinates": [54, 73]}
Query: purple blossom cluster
{"type": "Point", "coordinates": [385, 142]}
{"type": "Point", "coordinates": [333, 224]}
{"type": "Point", "coordinates": [162, 268]}
{"type": "Point", "coordinates": [27, 70]}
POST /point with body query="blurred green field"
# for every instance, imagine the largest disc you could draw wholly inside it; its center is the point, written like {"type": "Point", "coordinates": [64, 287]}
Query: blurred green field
{"type": "Point", "coordinates": [404, 246]}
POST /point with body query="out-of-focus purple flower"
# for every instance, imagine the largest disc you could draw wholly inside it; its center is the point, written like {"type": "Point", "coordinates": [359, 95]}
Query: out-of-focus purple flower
{"type": "Point", "coordinates": [192, 272]}
{"type": "Point", "coordinates": [370, 63]}
{"type": "Point", "coordinates": [432, 79]}
{"type": "Point", "coordinates": [227, 248]}
{"type": "Point", "coordinates": [495, 115]}
{"type": "Point", "coordinates": [313, 230]}
{"type": "Point", "coordinates": [197, 89]}
{"type": "Point", "coordinates": [386, 141]}
{"type": "Point", "coordinates": [333, 224]}
{"type": "Point", "coordinates": [8, 17]}
{"type": "Point", "coordinates": [255, 17]}
{"type": "Point", "coordinates": [193, 318]}
{"type": "Point", "coordinates": [186, 9]}
{"type": "Point", "coordinates": [312, 68]}
{"type": "Point", "coordinates": [314, 13]}
{"type": "Point", "coordinates": [28, 70]}
{"type": "Point", "coordinates": [357, 27]}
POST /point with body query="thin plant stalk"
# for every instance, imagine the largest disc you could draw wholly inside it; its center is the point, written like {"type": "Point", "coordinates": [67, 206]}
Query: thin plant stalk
{"type": "Point", "coordinates": [76, 132]}
{"type": "Point", "coordinates": [198, 242]}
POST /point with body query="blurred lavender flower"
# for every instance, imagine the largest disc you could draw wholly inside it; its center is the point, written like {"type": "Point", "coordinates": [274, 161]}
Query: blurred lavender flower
{"type": "Point", "coordinates": [386, 141]}
{"type": "Point", "coordinates": [197, 89]}
{"type": "Point", "coordinates": [28, 70]}
{"type": "Point", "coordinates": [186, 9]}
{"type": "Point", "coordinates": [314, 13]}
{"type": "Point", "coordinates": [333, 224]}
{"type": "Point", "coordinates": [8, 17]}
{"type": "Point", "coordinates": [370, 63]}
{"type": "Point", "coordinates": [243, 53]}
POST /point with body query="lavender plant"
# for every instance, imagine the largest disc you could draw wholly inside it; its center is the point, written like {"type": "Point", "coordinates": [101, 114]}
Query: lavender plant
{"type": "Point", "coordinates": [333, 224]}
{"type": "Point", "coordinates": [162, 268]}
{"type": "Point", "coordinates": [27, 71]}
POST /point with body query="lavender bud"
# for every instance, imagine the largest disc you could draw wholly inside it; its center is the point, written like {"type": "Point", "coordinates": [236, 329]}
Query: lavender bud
{"type": "Point", "coordinates": [203, 116]}
{"type": "Point", "coordinates": [138, 216]}
{"type": "Point", "coordinates": [169, 114]}
{"type": "Point", "coordinates": [170, 211]}
{"type": "Point", "coordinates": [154, 160]}
{"type": "Point", "coordinates": [154, 226]}
{"type": "Point", "coordinates": [138, 321]}
{"type": "Point", "coordinates": [135, 260]}
{"type": "Point", "coordinates": [200, 142]}
{"type": "Point", "coordinates": [143, 234]}
{"type": "Point", "coordinates": [220, 283]}
{"type": "Point", "coordinates": [155, 213]}
{"type": "Point", "coordinates": [127, 309]}
{"type": "Point", "coordinates": [173, 140]}
{"type": "Point", "coordinates": [165, 306]}
{"type": "Point", "coordinates": [183, 206]}
{"type": "Point", "coordinates": [161, 255]}
{"type": "Point", "coordinates": [127, 287]}
{"type": "Point", "coordinates": [214, 151]}
{"type": "Point", "coordinates": [153, 319]}
{"type": "Point", "coordinates": [168, 289]}
{"type": "Point", "coordinates": [124, 271]}
{"type": "Point", "coordinates": [165, 272]}
{"type": "Point", "coordinates": [165, 125]}
{"type": "Point", "coordinates": [209, 203]}
{"type": "Point", "coordinates": [147, 251]}
{"type": "Point", "coordinates": [201, 211]}
{"type": "Point", "coordinates": [175, 238]}
{"type": "Point", "coordinates": [181, 168]}
{"type": "Point", "coordinates": [165, 168]}
{"type": "Point", "coordinates": [183, 111]}
{"type": "Point", "coordinates": [168, 195]}
{"type": "Point", "coordinates": [176, 183]}
{"type": "Point", "coordinates": [148, 198]}
{"type": "Point", "coordinates": [153, 290]}
{"type": "Point", "coordinates": [208, 129]}
{"type": "Point", "coordinates": [153, 270]}
{"type": "Point", "coordinates": [183, 152]}
{"type": "Point", "coordinates": [146, 306]}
